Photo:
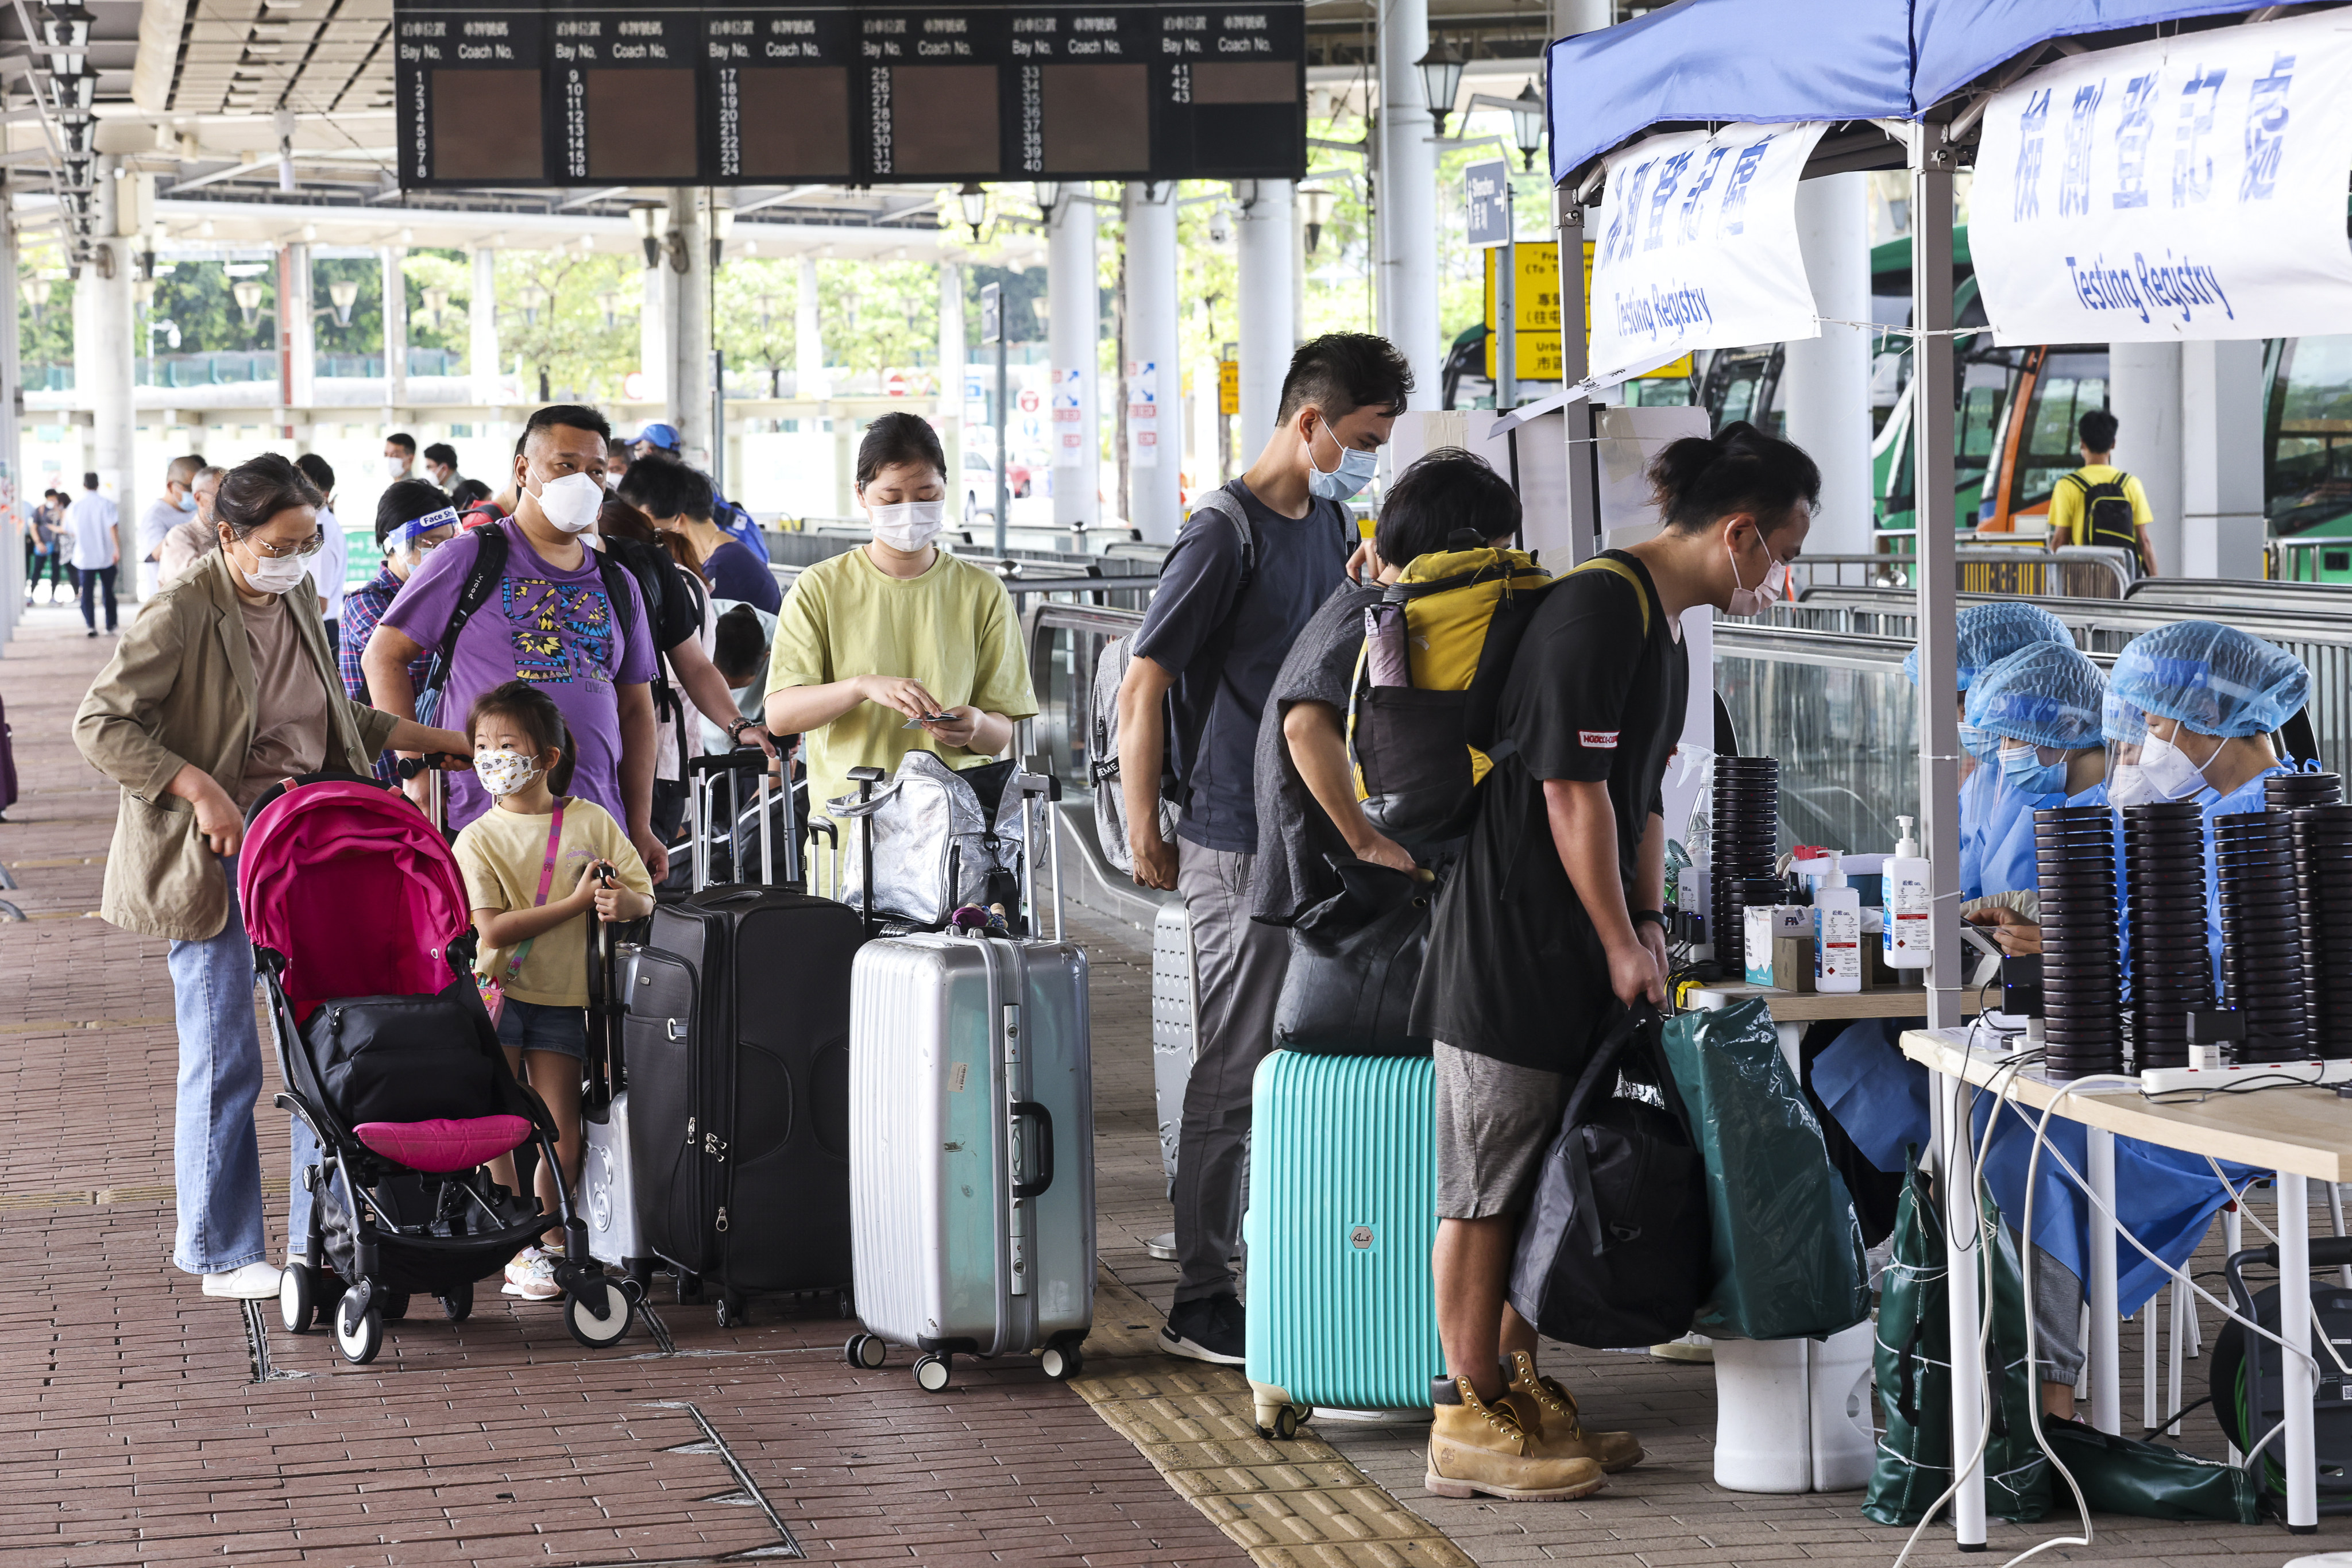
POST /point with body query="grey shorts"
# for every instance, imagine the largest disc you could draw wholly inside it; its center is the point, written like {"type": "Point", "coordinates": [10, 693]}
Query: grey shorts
{"type": "Point", "coordinates": [1494, 1122]}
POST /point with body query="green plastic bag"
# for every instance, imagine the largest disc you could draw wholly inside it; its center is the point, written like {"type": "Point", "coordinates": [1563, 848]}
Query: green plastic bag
{"type": "Point", "coordinates": [1913, 1372]}
{"type": "Point", "coordinates": [1787, 1250]}
{"type": "Point", "coordinates": [2124, 1475]}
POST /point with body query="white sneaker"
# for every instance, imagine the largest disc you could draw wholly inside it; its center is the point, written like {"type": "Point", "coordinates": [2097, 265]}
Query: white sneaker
{"type": "Point", "coordinates": [531, 1276]}
{"type": "Point", "coordinates": [257, 1281]}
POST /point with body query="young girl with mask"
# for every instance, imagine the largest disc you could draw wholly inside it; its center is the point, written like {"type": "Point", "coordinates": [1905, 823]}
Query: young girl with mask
{"type": "Point", "coordinates": [535, 864]}
{"type": "Point", "coordinates": [896, 646]}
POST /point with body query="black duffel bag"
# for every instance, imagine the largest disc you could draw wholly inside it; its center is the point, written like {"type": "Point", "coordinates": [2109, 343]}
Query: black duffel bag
{"type": "Point", "coordinates": [404, 1059]}
{"type": "Point", "coordinates": [1614, 1251]}
{"type": "Point", "coordinates": [1355, 960]}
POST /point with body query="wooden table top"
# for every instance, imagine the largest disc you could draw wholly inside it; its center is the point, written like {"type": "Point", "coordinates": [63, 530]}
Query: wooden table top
{"type": "Point", "coordinates": [1804, 1006]}
{"type": "Point", "coordinates": [2302, 1129]}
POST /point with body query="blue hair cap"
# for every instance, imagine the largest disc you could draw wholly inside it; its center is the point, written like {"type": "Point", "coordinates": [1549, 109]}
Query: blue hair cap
{"type": "Point", "coordinates": [2214, 678]}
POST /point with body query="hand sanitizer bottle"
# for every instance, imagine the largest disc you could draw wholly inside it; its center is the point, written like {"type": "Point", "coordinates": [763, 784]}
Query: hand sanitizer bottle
{"type": "Point", "coordinates": [1837, 933]}
{"type": "Point", "coordinates": [1909, 936]}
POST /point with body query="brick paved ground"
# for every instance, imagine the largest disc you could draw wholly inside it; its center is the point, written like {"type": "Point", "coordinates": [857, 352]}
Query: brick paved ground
{"type": "Point", "coordinates": [142, 1434]}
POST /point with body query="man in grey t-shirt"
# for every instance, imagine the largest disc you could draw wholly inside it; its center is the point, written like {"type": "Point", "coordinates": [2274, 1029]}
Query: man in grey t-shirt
{"type": "Point", "coordinates": [166, 512]}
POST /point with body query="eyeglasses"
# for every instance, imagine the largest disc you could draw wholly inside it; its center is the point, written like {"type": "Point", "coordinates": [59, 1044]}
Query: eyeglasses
{"type": "Point", "coordinates": [310, 546]}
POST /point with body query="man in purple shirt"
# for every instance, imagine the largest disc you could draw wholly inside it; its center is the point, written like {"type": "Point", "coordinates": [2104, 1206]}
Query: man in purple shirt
{"type": "Point", "coordinates": [555, 618]}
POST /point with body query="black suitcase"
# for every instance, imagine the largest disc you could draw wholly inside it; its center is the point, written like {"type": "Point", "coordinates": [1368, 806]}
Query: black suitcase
{"type": "Point", "coordinates": [735, 1032]}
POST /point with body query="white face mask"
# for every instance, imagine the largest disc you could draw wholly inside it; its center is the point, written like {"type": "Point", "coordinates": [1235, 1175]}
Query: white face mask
{"type": "Point", "coordinates": [571, 502]}
{"type": "Point", "coordinates": [2126, 786]}
{"type": "Point", "coordinates": [503, 772]}
{"type": "Point", "coordinates": [2165, 771]}
{"type": "Point", "coordinates": [275, 573]}
{"type": "Point", "coordinates": [908, 525]}
{"type": "Point", "coordinates": [395, 466]}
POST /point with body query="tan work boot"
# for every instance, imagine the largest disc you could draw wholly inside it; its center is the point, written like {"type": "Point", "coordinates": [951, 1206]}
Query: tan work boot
{"type": "Point", "coordinates": [1548, 1412]}
{"type": "Point", "coordinates": [1476, 1448]}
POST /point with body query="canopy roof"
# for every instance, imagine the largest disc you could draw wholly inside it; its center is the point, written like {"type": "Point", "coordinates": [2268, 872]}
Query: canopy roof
{"type": "Point", "coordinates": [1766, 61]}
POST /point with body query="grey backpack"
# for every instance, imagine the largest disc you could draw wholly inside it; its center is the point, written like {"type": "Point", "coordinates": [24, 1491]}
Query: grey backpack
{"type": "Point", "coordinates": [1102, 726]}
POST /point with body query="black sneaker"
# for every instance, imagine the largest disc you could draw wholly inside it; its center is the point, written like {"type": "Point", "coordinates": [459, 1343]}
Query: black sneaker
{"type": "Point", "coordinates": [1210, 1330]}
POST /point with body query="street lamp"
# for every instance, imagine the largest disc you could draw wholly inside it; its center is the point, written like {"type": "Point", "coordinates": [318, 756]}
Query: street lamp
{"type": "Point", "coordinates": [1047, 192]}
{"type": "Point", "coordinates": [974, 200]}
{"type": "Point", "coordinates": [65, 34]}
{"type": "Point", "coordinates": [722, 225]}
{"type": "Point", "coordinates": [1314, 211]}
{"type": "Point", "coordinates": [36, 294]}
{"type": "Point", "coordinates": [651, 220]}
{"type": "Point", "coordinates": [77, 92]}
{"type": "Point", "coordinates": [1441, 78]}
{"type": "Point", "coordinates": [247, 294]}
{"type": "Point", "coordinates": [1527, 124]}
{"type": "Point", "coordinates": [533, 298]}
{"type": "Point", "coordinates": [345, 293]}
{"type": "Point", "coordinates": [436, 300]}
{"type": "Point", "coordinates": [612, 303]}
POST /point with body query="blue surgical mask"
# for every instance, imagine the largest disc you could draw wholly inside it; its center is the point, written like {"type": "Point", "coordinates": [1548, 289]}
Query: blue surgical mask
{"type": "Point", "coordinates": [2023, 766]}
{"type": "Point", "coordinates": [1354, 472]}
{"type": "Point", "coordinates": [187, 502]}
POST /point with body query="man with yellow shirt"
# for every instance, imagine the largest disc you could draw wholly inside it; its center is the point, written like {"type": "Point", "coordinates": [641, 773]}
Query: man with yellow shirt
{"type": "Point", "coordinates": [897, 630]}
{"type": "Point", "coordinates": [2098, 503]}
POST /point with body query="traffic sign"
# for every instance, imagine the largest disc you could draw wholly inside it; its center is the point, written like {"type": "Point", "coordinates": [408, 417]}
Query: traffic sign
{"type": "Point", "coordinates": [1538, 325]}
{"type": "Point", "coordinates": [1487, 192]}
{"type": "Point", "coordinates": [1229, 386]}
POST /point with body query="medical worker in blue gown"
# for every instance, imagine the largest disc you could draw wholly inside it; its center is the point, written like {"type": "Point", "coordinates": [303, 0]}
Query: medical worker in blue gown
{"type": "Point", "coordinates": [2043, 706]}
{"type": "Point", "coordinates": [2189, 713]}
{"type": "Point", "coordinates": [1984, 636]}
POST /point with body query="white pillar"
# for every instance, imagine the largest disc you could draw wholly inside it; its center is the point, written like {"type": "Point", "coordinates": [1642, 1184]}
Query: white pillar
{"type": "Point", "coordinates": [2144, 395]}
{"type": "Point", "coordinates": [654, 313]}
{"type": "Point", "coordinates": [1569, 18]}
{"type": "Point", "coordinates": [2221, 522]}
{"type": "Point", "coordinates": [1153, 368]}
{"type": "Point", "coordinates": [949, 416]}
{"type": "Point", "coordinates": [1825, 388]}
{"type": "Point", "coordinates": [809, 379]}
{"type": "Point", "coordinates": [1406, 193]}
{"type": "Point", "coordinates": [104, 317]}
{"type": "Point", "coordinates": [482, 330]}
{"type": "Point", "coordinates": [1267, 333]}
{"type": "Point", "coordinates": [302, 324]}
{"type": "Point", "coordinates": [15, 501]}
{"type": "Point", "coordinates": [396, 334]}
{"type": "Point", "coordinates": [1073, 332]}
{"type": "Point", "coordinates": [689, 389]}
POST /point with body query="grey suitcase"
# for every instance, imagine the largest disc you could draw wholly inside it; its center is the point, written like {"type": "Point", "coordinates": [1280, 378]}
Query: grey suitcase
{"type": "Point", "coordinates": [971, 1148]}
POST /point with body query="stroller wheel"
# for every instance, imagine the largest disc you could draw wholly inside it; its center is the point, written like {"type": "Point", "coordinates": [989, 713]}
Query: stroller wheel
{"type": "Point", "coordinates": [457, 1305]}
{"type": "Point", "coordinates": [359, 1338]}
{"type": "Point", "coordinates": [395, 1306]}
{"type": "Point", "coordinates": [294, 1304]}
{"type": "Point", "coordinates": [690, 1287]}
{"type": "Point", "coordinates": [597, 1313]}
{"type": "Point", "coordinates": [733, 1311]}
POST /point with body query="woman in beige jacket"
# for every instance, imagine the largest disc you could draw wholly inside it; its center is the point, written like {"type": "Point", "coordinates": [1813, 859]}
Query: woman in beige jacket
{"type": "Point", "coordinates": [222, 687]}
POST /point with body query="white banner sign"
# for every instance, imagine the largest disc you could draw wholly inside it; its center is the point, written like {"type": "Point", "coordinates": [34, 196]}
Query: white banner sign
{"type": "Point", "coordinates": [2187, 187]}
{"type": "Point", "coordinates": [1696, 247]}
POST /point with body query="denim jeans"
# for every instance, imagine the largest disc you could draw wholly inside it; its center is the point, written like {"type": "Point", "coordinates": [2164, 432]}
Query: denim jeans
{"type": "Point", "coordinates": [215, 1159]}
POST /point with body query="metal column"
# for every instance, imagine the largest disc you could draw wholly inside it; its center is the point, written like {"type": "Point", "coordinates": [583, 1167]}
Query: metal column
{"type": "Point", "coordinates": [482, 368]}
{"type": "Point", "coordinates": [1266, 332]}
{"type": "Point", "coordinates": [104, 312]}
{"type": "Point", "coordinates": [1153, 378]}
{"type": "Point", "coordinates": [1407, 273]}
{"type": "Point", "coordinates": [1074, 336]}
{"type": "Point", "coordinates": [395, 333]}
{"type": "Point", "coordinates": [1576, 364]}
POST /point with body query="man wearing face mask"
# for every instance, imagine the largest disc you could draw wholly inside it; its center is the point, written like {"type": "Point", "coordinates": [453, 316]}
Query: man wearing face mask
{"type": "Point", "coordinates": [175, 506]}
{"type": "Point", "coordinates": [538, 605]}
{"type": "Point", "coordinates": [189, 541]}
{"type": "Point", "coordinates": [399, 457]}
{"type": "Point", "coordinates": [1254, 563]}
{"type": "Point", "coordinates": [2042, 705]}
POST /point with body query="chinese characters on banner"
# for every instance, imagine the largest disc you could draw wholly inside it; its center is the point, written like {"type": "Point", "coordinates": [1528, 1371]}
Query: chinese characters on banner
{"type": "Point", "coordinates": [2187, 187]}
{"type": "Point", "coordinates": [1697, 246]}
{"type": "Point", "coordinates": [1143, 414]}
{"type": "Point", "coordinates": [1069, 423]}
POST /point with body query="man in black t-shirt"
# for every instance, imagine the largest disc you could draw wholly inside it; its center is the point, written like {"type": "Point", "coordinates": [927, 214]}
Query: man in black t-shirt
{"type": "Point", "coordinates": [1551, 924]}
{"type": "Point", "coordinates": [1233, 595]}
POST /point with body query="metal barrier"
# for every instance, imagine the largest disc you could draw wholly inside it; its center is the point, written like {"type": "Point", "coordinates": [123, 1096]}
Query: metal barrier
{"type": "Point", "coordinates": [2072, 570]}
{"type": "Point", "coordinates": [2199, 594]}
{"type": "Point", "coordinates": [2327, 559]}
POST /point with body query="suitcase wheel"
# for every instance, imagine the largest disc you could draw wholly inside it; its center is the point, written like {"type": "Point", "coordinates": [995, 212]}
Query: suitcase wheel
{"type": "Point", "coordinates": [690, 1287]}
{"type": "Point", "coordinates": [733, 1311]}
{"type": "Point", "coordinates": [1280, 1423]}
{"type": "Point", "coordinates": [1062, 1363]}
{"type": "Point", "coordinates": [933, 1372]}
{"type": "Point", "coordinates": [864, 1350]}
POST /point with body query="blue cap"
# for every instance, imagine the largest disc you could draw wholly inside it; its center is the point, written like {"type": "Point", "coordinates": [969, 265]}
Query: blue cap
{"type": "Point", "coordinates": [2214, 678]}
{"type": "Point", "coordinates": [2047, 694]}
{"type": "Point", "coordinates": [1987, 634]}
{"type": "Point", "coordinates": [662, 436]}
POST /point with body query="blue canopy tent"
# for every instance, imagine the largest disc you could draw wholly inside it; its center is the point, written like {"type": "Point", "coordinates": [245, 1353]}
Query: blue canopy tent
{"type": "Point", "coordinates": [1902, 83]}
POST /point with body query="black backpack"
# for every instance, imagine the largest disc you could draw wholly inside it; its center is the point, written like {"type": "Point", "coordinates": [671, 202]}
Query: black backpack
{"type": "Point", "coordinates": [481, 580]}
{"type": "Point", "coordinates": [1614, 1251]}
{"type": "Point", "coordinates": [2107, 516]}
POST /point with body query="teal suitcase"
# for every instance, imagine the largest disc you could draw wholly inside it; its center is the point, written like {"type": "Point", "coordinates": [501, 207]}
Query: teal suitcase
{"type": "Point", "coordinates": [1343, 1212]}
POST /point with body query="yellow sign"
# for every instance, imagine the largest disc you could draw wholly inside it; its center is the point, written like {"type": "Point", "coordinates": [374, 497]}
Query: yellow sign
{"type": "Point", "coordinates": [1538, 326]}
{"type": "Point", "coordinates": [1229, 386]}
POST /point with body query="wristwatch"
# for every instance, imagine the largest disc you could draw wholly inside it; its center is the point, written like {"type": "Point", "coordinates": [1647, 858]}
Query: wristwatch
{"type": "Point", "coordinates": [735, 731]}
{"type": "Point", "coordinates": [1640, 915]}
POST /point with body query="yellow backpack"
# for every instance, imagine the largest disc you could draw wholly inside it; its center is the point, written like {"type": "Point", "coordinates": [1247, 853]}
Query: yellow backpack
{"type": "Point", "coordinates": [1420, 712]}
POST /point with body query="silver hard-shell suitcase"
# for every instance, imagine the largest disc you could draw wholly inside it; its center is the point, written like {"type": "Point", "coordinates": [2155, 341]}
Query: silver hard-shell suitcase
{"type": "Point", "coordinates": [971, 1147]}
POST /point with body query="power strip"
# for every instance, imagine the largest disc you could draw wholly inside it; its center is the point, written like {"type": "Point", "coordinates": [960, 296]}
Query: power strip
{"type": "Point", "coordinates": [2172, 1080]}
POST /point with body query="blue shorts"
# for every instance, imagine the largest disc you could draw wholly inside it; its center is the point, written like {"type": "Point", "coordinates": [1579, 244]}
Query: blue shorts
{"type": "Point", "coordinates": [534, 1026]}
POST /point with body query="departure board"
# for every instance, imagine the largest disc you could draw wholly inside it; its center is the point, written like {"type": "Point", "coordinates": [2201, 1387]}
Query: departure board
{"type": "Point", "coordinates": [656, 92]}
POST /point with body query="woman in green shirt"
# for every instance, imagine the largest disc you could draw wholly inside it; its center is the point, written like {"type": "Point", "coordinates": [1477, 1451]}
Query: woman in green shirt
{"type": "Point", "coordinates": [896, 646]}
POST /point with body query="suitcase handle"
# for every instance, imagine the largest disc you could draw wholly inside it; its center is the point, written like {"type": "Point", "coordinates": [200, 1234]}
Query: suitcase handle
{"type": "Point", "coordinates": [1045, 1119]}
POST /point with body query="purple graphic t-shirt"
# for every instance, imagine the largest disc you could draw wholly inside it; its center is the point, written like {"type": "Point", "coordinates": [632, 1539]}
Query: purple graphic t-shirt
{"type": "Point", "coordinates": [556, 629]}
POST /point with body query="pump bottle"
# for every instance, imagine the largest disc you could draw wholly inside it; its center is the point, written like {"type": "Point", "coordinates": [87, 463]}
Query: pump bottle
{"type": "Point", "coordinates": [1909, 936]}
{"type": "Point", "coordinates": [1837, 933]}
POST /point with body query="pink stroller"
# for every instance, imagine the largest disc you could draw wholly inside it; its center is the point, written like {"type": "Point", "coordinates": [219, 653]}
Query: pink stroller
{"type": "Point", "coordinates": [361, 933]}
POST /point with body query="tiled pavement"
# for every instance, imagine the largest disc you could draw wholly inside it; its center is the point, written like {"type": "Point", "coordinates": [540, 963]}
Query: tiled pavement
{"type": "Point", "coordinates": [139, 1430]}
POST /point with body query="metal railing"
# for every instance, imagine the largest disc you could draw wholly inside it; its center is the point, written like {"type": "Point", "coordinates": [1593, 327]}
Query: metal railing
{"type": "Point", "coordinates": [2204, 594]}
{"type": "Point", "coordinates": [2072, 570]}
